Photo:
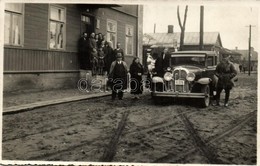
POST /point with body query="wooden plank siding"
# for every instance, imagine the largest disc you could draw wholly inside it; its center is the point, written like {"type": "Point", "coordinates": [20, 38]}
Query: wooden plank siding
{"type": "Point", "coordinates": [36, 26]}
{"type": "Point", "coordinates": [29, 60]}
{"type": "Point", "coordinates": [122, 20]}
{"type": "Point", "coordinates": [73, 25]}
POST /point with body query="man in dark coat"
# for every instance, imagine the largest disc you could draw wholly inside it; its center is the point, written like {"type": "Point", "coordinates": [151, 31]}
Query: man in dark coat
{"type": "Point", "coordinates": [162, 62]}
{"type": "Point", "coordinates": [119, 50]}
{"type": "Point", "coordinates": [225, 71]}
{"type": "Point", "coordinates": [118, 76]}
{"type": "Point", "coordinates": [83, 47]}
{"type": "Point", "coordinates": [109, 56]}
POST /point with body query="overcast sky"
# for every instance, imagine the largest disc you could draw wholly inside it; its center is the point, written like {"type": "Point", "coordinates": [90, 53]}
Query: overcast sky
{"type": "Point", "coordinates": [229, 20]}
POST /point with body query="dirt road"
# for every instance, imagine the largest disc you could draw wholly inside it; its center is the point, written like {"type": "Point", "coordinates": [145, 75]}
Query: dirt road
{"type": "Point", "coordinates": [101, 130]}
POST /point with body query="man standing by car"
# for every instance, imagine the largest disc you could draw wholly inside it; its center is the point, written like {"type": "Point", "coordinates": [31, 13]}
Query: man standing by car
{"type": "Point", "coordinates": [225, 71]}
{"type": "Point", "coordinates": [162, 62]}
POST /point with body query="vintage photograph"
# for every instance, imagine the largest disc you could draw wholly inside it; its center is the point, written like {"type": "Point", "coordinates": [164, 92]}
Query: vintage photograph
{"type": "Point", "coordinates": [129, 83]}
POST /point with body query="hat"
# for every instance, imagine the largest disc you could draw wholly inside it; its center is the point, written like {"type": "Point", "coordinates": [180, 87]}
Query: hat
{"type": "Point", "coordinates": [118, 55]}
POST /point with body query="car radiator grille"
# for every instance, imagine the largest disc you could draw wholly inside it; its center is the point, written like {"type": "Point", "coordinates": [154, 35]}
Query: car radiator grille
{"type": "Point", "coordinates": [180, 83]}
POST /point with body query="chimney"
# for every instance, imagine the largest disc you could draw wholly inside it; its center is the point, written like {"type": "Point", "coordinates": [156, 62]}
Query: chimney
{"type": "Point", "coordinates": [170, 28]}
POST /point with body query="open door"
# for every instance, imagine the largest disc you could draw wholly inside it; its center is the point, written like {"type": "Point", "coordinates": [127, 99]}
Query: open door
{"type": "Point", "coordinates": [87, 24]}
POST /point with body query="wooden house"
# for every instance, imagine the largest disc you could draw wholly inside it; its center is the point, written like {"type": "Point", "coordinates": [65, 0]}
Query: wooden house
{"type": "Point", "coordinates": [40, 41]}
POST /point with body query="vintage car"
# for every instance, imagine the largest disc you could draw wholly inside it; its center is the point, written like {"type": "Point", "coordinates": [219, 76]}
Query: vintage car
{"type": "Point", "coordinates": [190, 75]}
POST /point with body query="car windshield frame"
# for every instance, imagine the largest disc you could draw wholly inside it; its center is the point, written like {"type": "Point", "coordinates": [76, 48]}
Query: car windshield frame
{"type": "Point", "coordinates": [188, 59]}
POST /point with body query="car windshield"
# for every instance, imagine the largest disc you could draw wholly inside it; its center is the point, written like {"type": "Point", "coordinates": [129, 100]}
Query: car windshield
{"type": "Point", "coordinates": [188, 60]}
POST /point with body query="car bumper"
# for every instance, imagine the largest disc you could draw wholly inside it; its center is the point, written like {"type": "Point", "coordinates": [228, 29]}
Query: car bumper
{"type": "Point", "coordinates": [179, 95]}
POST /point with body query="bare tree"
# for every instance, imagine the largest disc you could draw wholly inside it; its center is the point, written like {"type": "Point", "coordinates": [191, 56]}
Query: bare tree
{"type": "Point", "coordinates": [182, 26]}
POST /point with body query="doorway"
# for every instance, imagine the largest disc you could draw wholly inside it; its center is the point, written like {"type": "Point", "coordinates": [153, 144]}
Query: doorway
{"type": "Point", "coordinates": [87, 24]}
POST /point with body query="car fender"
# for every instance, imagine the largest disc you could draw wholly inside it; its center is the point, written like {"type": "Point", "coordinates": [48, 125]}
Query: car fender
{"type": "Point", "coordinates": [204, 81]}
{"type": "Point", "coordinates": [157, 79]}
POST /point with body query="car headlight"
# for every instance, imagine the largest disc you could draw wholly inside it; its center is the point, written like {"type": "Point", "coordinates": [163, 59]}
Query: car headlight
{"type": "Point", "coordinates": [190, 77]}
{"type": "Point", "coordinates": [168, 69]}
{"type": "Point", "coordinates": [167, 76]}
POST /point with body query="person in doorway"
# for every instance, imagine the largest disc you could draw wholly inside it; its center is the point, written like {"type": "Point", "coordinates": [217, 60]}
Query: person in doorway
{"type": "Point", "coordinates": [136, 71]}
{"type": "Point", "coordinates": [225, 71]}
{"type": "Point", "coordinates": [119, 50]}
{"type": "Point", "coordinates": [118, 77]}
{"type": "Point", "coordinates": [83, 47]}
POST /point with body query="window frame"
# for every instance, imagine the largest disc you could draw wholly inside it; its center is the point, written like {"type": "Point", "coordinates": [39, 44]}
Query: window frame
{"type": "Point", "coordinates": [109, 31]}
{"type": "Point", "coordinates": [11, 44]}
{"type": "Point", "coordinates": [60, 22]}
{"type": "Point", "coordinates": [129, 36]}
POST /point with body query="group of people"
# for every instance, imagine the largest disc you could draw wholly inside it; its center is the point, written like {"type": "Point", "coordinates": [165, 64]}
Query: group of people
{"type": "Point", "coordinates": [97, 54]}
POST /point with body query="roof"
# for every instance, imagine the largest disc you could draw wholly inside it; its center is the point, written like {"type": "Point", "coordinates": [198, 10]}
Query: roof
{"type": "Point", "coordinates": [244, 54]}
{"type": "Point", "coordinates": [190, 38]}
{"type": "Point", "coordinates": [223, 50]}
{"type": "Point", "coordinates": [194, 52]}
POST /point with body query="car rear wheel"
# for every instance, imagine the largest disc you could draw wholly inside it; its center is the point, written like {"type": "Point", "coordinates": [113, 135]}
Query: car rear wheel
{"type": "Point", "coordinates": [206, 100]}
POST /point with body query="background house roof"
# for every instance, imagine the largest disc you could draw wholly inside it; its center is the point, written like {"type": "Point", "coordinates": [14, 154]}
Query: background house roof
{"type": "Point", "coordinates": [244, 54]}
{"type": "Point", "coordinates": [190, 38]}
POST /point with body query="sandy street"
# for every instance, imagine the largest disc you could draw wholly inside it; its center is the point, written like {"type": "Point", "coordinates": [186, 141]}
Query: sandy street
{"type": "Point", "coordinates": [130, 130]}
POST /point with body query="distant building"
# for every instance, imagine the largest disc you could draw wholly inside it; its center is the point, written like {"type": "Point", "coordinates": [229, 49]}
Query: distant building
{"type": "Point", "coordinates": [40, 42]}
{"type": "Point", "coordinates": [244, 58]}
{"type": "Point", "coordinates": [171, 39]}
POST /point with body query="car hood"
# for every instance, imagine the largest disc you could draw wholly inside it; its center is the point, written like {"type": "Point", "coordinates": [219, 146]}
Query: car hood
{"type": "Point", "coordinates": [193, 69]}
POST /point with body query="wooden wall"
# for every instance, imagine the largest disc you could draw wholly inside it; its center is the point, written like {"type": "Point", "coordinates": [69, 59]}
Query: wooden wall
{"type": "Point", "coordinates": [21, 60]}
{"type": "Point", "coordinates": [122, 20]}
{"type": "Point", "coordinates": [35, 55]}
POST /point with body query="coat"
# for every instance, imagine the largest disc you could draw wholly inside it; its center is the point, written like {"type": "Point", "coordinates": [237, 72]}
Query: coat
{"type": "Point", "coordinates": [161, 64]}
{"type": "Point", "coordinates": [116, 74]}
{"type": "Point", "coordinates": [109, 57]}
{"type": "Point", "coordinates": [225, 71]}
{"type": "Point", "coordinates": [136, 71]}
{"type": "Point", "coordinates": [84, 56]}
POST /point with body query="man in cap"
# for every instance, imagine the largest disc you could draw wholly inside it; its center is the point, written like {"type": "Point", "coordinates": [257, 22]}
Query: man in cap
{"type": "Point", "coordinates": [118, 77]}
{"type": "Point", "coordinates": [225, 71]}
{"type": "Point", "coordinates": [119, 50]}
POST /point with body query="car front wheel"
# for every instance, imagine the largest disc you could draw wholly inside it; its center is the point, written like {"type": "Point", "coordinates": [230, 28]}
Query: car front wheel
{"type": "Point", "coordinates": [206, 100]}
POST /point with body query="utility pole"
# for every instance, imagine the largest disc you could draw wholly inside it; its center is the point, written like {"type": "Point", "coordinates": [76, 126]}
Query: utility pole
{"type": "Point", "coordinates": [154, 28]}
{"type": "Point", "coordinates": [201, 46]}
{"type": "Point", "coordinates": [249, 51]}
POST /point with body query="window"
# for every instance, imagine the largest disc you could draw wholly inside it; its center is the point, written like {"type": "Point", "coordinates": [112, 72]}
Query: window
{"type": "Point", "coordinates": [129, 39]}
{"type": "Point", "coordinates": [98, 24]}
{"type": "Point", "coordinates": [13, 24]}
{"type": "Point", "coordinates": [111, 32]}
{"type": "Point", "coordinates": [57, 28]}
{"type": "Point", "coordinates": [85, 19]}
